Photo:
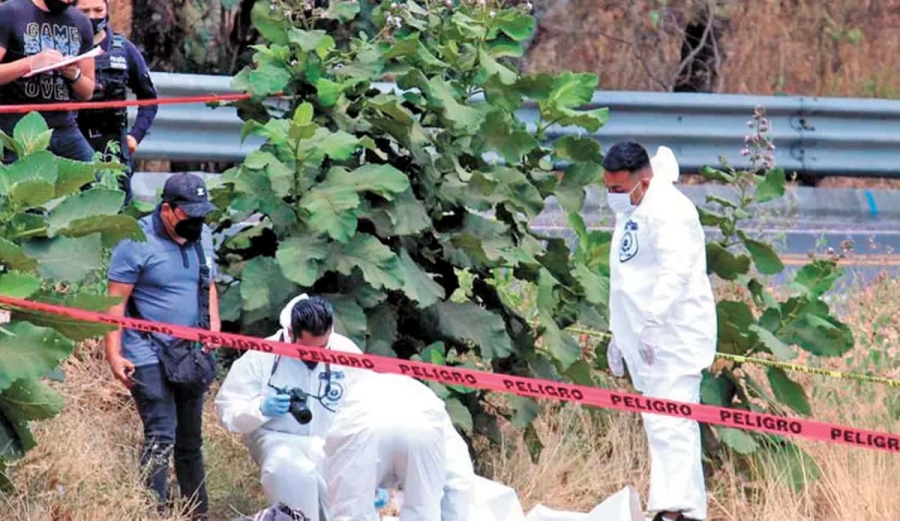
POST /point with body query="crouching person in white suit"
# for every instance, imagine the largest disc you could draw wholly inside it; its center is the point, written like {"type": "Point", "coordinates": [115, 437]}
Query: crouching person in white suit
{"type": "Point", "coordinates": [283, 439]}
{"type": "Point", "coordinates": [394, 432]}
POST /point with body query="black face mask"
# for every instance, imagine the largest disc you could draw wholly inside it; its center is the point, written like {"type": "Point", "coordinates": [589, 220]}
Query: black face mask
{"type": "Point", "coordinates": [189, 229]}
{"type": "Point", "coordinates": [100, 24]}
{"type": "Point", "coordinates": [57, 6]}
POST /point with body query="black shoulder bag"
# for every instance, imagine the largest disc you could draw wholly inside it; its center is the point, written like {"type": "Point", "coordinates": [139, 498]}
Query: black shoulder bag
{"type": "Point", "coordinates": [186, 365]}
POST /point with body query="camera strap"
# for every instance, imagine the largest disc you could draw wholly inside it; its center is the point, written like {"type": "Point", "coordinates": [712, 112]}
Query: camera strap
{"type": "Point", "coordinates": [327, 372]}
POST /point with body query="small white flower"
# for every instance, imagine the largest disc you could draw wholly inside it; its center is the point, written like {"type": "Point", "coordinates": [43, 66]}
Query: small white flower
{"type": "Point", "coordinates": [493, 14]}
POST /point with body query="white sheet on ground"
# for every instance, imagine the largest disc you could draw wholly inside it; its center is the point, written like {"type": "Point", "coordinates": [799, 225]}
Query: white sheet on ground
{"type": "Point", "coordinates": [492, 501]}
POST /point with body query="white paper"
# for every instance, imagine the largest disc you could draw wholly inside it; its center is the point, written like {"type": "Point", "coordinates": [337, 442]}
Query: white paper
{"type": "Point", "coordinates": [96, 51]}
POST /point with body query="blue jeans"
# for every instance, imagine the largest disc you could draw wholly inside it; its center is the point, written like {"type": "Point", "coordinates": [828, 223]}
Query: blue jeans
{"type": "Point", "coordinates": [65, 142]}
{"type": "Point", "coordinates": [172, 423]}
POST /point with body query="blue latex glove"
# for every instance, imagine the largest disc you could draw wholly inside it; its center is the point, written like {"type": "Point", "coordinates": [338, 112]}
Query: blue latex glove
{"type": "Point", "coordinates": [275, 405]}
{"type": "Point", "coordinates": [382, 498]}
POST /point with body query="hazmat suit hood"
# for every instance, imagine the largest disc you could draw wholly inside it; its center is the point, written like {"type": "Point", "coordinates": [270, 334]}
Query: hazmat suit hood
{"type": "Point", "coordinates": [665, 165]}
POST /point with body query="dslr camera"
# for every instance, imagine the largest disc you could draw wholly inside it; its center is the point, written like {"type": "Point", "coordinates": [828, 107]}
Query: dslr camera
{"type": "Point", "coordinates": [298, 408]}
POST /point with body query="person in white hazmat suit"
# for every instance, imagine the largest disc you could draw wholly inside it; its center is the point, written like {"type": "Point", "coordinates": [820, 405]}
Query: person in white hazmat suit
{"type": "Point", "coordinates": [662, 315]}
{"type": "Point", "coordinates": [254, 400]}
{"type": "Point", "coordinates": [393, 431]}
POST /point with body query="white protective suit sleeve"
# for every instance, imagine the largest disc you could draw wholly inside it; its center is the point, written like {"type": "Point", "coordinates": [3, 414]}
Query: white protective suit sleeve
{"type": "Point", "coordinates": [238, 400]}
{"type": "Point", "coordinates": [460, 476]}
{"type": "Point", "coordinates": [679, 242]}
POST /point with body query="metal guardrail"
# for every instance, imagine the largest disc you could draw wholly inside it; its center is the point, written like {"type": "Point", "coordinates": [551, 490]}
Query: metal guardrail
{"type": "Point", "coordinates": [813, 136]}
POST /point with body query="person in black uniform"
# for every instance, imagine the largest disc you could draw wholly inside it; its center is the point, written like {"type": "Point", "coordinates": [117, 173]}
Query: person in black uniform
{"type": "Point", "coordinates": [120, 66]}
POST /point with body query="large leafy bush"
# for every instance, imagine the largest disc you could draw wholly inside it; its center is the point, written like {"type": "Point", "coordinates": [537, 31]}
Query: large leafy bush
{"type": "Point", "coordinates": [378, 198]}
{"type": "Point", "coordinates": [52, 236]}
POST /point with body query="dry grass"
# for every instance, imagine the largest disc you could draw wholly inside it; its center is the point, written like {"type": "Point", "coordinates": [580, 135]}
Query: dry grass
{"type": "Point", "coordinates": [84, 466]}
{"type": "Point", "coordinates": [805, 47]}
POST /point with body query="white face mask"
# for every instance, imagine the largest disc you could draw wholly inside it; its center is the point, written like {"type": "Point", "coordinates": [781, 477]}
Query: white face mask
{"type": "Point", "coordinates": [620, 203]}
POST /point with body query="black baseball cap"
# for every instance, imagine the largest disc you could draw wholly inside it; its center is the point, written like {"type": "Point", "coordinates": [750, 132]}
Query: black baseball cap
{"type": "Point", "coordinates": [188, 192]}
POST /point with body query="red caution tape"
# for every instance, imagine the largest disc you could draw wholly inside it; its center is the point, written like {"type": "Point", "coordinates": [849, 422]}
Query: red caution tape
{"type": "Point", "coordinates": [117, 104]}
{"type": "Point", "coordinates": [533, 387]}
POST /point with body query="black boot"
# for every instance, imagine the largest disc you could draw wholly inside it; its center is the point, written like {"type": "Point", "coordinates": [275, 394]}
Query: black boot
{"type": "Point", "coordinates": [659, 517]}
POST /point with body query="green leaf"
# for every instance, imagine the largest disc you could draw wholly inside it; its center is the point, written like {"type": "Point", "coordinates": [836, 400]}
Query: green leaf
{"type": "Point", "coordinates": [13, 257]}
{"type": "Point", "coordinates": [15, 440]}
{"type": "Point", "coordinates": [31, 192]}
{"type": "Point", "coordinates": [533, 442]}
{"type": "Point", "coordinates": [382, 324]}
{"type": "Point", "coordinates": [570, 192]}
{"type": "Point", "coordinates": [72, 175]}
{"type": "Point", "coordinates": [773, 344]}
{"type": "Point", "coordinates": [349, 318]}
{"type": "Point", "coordinates": [332, 210]}
{"type": "Point", "coordinates": [821, 336]}
{"type": "Point", "coordinates": [303, 115]}
{"type": "Point", "coordinates": [536, 86]}
{"type": "Point", "coordinates": [573, 89]}
{"type": "Point", "coordinates": [765, 258]}
{"type": "Point", "coordinates": [708, 218]}
{"type": "Point", "coordinates": [310, 41]}
{"type": "Point", "coordinates": [267, 79]}
{"type": "Point", "coordinates": [469, 322]}
{"type": "Point", "coordinates": [339, 145]}
{"type": "Point", "coordinates": [491, 67]}
{"type": "Point", "coordinates": [378, 264]}
{"type": "Point", "coordinates": [717, 390]}
{"type": "Point", "coordinates": [328, 92]}
{"type": "Point", "coordinates": [817, 277]}
{"type": "Point", "coordinates": [577, 148]}
{"type": "Point", "coordinates": [525, 409]}
{"type": "Point", "coordinates": [404, 47]}
{"type": "Point", "coordinates": [30, 399]}
{"type": "Point", "coordinates": [301, 258]}
{"type": "Point", "coordinates": [29, 352]}
{"type": "Point", "coordinates": [558, 343]}
{"type": "Point", "coordinates": [512, 144]}
{"type": "Point", "coordinates": [417, 284]}
{"type": "Point", "coordinates": [517, 25]}
{"type": "Point", "coordinates": [596, 287]}
{"type": "Point", "coordinates": [270, 23]}
{"type": "Point", "coordinates": [408, 214]}
{"type": "Point", "coordinates": [32, 133]}
{"type": "Point", "coordinates": [714, 174]}
{"type": "Point", "coordinates": [263, 286]}
{"type": "Point", "coordinates": [76, 330]}
{"type": "Point", "coordinates": [76, 208]}
{"type": "Point", "coordinates": [772, 186]}
{"type": "Point", "coordinates": [19, 285]}
{"type": "Point", "coordinates": [461, 416]}
{"type": "Point", "coordinates": [64, 258]}
{"type": "Point", "coordinates": [734, 320]}
{"type": "Point", "coordinates": [724, 263]}
{"type": "Point", "coordinates": [740, 441]}
{"type": "Point", "coordinates": [343, 11]}
{"type": "Point", "coordinates": [788, 391]}
{"type": "Point", "coordinates": [460, 116]}
{"type": "Point", "coordinates": [580, 373]}
{"type": "Point", "coordinates": [590, 120]}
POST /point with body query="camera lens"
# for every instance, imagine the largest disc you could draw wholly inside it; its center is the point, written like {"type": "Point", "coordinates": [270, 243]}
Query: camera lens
{"type": "Point", "coordinates": [300, 411]}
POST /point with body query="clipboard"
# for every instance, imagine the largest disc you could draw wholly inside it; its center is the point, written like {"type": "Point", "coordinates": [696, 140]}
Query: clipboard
{"type": "Point", "coordinates": [96, 51]}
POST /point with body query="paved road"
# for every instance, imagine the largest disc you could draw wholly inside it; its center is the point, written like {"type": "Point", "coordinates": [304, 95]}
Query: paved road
{"type": "Point", "coordinates": [820, 219]}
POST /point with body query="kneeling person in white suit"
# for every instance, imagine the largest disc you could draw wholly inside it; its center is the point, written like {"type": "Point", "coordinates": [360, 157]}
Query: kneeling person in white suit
{"type": "Point", "coordinates": [662, 315]}
{"type": "Point", "coordinates": [393, 431]}
{"type": "Point", "coordinates": [255, 401]}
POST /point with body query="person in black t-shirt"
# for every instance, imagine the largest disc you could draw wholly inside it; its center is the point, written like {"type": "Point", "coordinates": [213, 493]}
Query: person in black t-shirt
{"type": "Point", "coordinates": [34, 34]}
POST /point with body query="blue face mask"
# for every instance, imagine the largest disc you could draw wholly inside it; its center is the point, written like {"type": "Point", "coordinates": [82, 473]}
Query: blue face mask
{"type": "Point", "coordinates": [620, 202]}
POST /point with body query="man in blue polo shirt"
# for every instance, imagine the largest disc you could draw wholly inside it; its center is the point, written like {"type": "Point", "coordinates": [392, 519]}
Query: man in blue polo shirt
{"type": "Point", "coordinates": [159, 280]}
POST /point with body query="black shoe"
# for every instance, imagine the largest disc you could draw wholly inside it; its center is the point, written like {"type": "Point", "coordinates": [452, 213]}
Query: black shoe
{"type": "Point", "coordinates": [659, 517]}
